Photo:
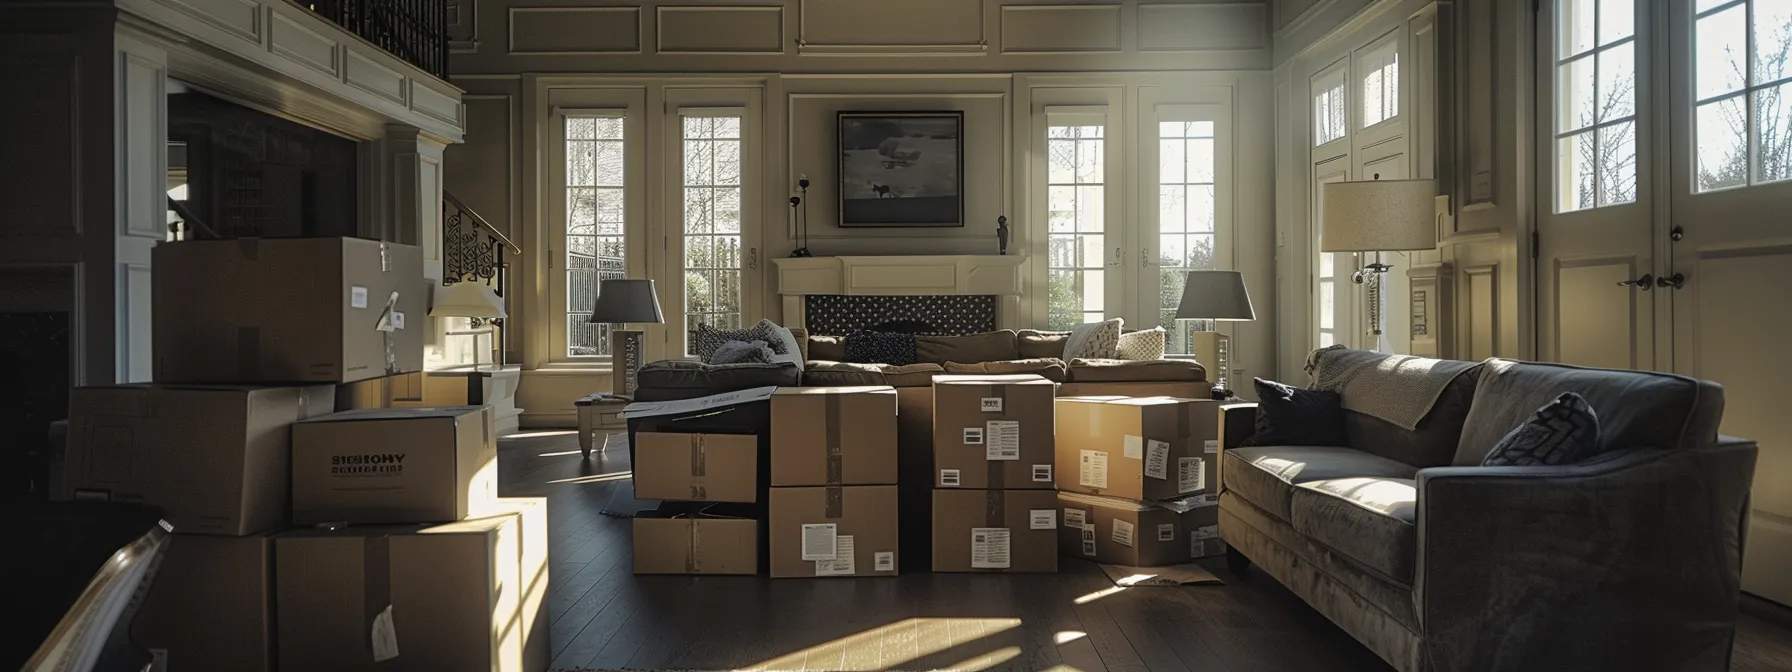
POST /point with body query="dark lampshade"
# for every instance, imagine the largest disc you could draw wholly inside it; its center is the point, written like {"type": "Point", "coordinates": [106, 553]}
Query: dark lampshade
{"type": "Point", "coordinates": [1215, 295]}
{"type": "Point", "coordinates": [626, 301]}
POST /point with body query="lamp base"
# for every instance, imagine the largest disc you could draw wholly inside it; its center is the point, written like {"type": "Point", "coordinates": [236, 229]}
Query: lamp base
{"type": "Point", "coordinates": [628, 347]}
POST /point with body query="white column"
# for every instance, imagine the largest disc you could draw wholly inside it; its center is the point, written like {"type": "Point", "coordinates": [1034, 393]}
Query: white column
{"type": "Point", "coordinates": [413, 159]}
{"type": "Point", "coordinates": [141, 158]}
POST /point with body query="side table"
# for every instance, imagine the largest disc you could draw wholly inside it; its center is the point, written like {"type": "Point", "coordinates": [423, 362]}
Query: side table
{"type": "Point", "coordinates": [598, 413]}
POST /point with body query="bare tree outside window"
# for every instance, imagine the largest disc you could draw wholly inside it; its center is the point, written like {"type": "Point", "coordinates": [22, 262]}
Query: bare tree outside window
{"type": "Point", "coordinates": [1076, 286]}
{"type": "Point", "coordinates": [1743, 78]}
{"type": "Point", "coordinates": [1596, 104]}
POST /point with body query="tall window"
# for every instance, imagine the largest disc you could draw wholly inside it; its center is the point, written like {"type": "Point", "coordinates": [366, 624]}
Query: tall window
{"type": "Point", "coordinates": [712, 222]}
{"type": "Point", "coordinates": [1185, 221]}
{"type": "Point", "coordinates": [594, 224]}
{"type": "Point", "coordinates": [1381, 86]}
{"type": "Point", "coordinates": [1595, 116]}
{"type": "Point", "coordinates": [1743, 85]}
{"type": "Point", "coordinates": [1074, 200]}
{"type": "Point", "coordinates": [1328, 109]}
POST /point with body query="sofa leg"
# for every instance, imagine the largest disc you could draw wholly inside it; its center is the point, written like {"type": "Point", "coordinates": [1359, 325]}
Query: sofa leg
{"type": "Point", "coordinates": [1236, 562]}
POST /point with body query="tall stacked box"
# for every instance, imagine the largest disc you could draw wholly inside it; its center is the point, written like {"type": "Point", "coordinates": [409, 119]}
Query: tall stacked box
{"type": "Point", "coordinates": [833, 497]}
{"type": "Point", "coordinates": [994, 482]}
{"type": "Point", "coordinates": [1139, 479]}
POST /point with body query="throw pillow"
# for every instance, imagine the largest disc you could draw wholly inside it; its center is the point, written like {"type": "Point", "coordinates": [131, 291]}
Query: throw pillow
{"type": "Point", "coordinates": [1098, 340]}
{"type": "Point", "coordinates": [1143, 344]}
{"type": "Point", "coordinates": [880, 347]}
{"type": "Point", "coordinates": [708, 338]}
{"type": "Point", "coordinates": [1291, 416]}
{"type": "Point", "coordinates": [782, 342]}
{"type": "Point", "coordinates": [1565, 431]}
{"type": "Point", "coordinates": [738, 352]}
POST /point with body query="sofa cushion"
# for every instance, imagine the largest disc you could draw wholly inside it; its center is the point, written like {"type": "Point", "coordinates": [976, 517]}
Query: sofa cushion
{"type": "Point", "coordinates": [1266, 475]}
{"type": "Point", "coordinates": [1636, 409]}
{"type": "Point", "coordinates": [1127, 370]}
{"type": "Point", "coordinates": [846, 374]}
{"type": "Point", "coordinates": [880, 347]}
{"type": "Point", "coordinates": [1036, 344]}
{"type": "Point", "coordinates": [1369, 520]}
{"type": "Point", "coordinates": [989, 346]}
{"type": "Point", "coordinates": [826, 349]}
{"type": "Point", "coordinates": [1095, 340]}
{"type": "Point", "coordinates": [1048, 368]}
{"type": "Point", "coordinates": [681, 379]}
{"type": "Point", "coordinates": [1145, 344]}
{"type": "Point", "coordinates": [1433, 444]}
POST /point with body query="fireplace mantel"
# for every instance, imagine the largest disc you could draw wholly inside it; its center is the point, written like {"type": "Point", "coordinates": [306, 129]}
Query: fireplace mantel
{"type": "Point", "coordinates": [921, 275]}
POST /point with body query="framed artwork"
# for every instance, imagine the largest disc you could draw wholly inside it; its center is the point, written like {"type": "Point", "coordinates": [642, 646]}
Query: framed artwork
{"type": "Point", "coordinates": [901, 169]}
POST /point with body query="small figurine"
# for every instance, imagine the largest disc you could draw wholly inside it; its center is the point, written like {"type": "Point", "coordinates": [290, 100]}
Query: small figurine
{"type": "Point", "coordinates": [1002, 235]}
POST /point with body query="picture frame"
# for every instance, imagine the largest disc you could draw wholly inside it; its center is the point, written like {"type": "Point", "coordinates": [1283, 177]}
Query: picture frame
{"type": "Point", "coordinates": [901, 169]}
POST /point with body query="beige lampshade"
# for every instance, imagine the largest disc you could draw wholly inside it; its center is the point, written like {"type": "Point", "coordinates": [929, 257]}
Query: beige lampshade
{"type": "Point", "coordinates": [626, 300]}
{"type": "Point", "coordinates": [468, 299]}
{"type": "Point", "coordinates": [1215, 295]}
{"type": "Point", "coordinates": [1379, 215]}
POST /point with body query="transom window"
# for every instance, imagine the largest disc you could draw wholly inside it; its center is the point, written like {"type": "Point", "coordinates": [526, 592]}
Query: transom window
{"type": "Point", "coordinates": [712, 224]}
{"type": "Point", "coordinates": [1743, 91]}
{"type": "Point", "coordinates": [1074, 200]}
{"type": "Point", "coordinates": [1595, 115]}
{"type": "Point", "coordinates": [1329, 112]}
{"type": "Point", "coordinates": [595, 225]}
{"type": "Point", "coordinates": [1381, 86]}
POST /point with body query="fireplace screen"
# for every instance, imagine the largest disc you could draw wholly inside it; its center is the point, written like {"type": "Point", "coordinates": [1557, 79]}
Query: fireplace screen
{"type": "Point", "coordinates": [938, 315]}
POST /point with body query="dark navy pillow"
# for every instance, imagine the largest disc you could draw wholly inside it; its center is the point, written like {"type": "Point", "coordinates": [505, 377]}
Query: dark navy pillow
{"type": "Point", "coordinates": [1292, 416]}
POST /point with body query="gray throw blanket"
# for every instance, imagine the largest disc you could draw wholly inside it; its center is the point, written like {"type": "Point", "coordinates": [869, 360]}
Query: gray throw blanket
{"type": "Point", "coordinates": [1400, 389]}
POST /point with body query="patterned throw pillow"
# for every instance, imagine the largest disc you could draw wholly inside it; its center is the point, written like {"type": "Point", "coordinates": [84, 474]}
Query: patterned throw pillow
{"type": "Point", "coordinates": [1146, 344]}
{"type": "Point", "coordinates": [740, 352]}
{"type": "Point", "coordinates": [1098, 340]}
{"type": "Point", "coordinates": [708, 338]}
{"type": "Point", "coordinates": [880, 347]}
{"type": "Point", "coordinates": [1565, 431]}
{"type": "Point", "coordinates": [1291, 416]}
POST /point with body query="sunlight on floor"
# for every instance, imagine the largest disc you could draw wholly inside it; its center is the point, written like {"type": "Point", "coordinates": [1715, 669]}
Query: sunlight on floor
{"type": "Point", "coordinates": [562, 453]}
{"type": "Point", "coordinates": [595, 478]}
{"type": "Point", "coordinates": [890, 646]}
{"type": "Point", "coordinates": [534, 435]}
{"type": "Point", "coordinates": [1135, 579]}
{"type": "Point", "coordinates": [1068, 636]}
{"type": "Point", "coordinates": [1091, 597]}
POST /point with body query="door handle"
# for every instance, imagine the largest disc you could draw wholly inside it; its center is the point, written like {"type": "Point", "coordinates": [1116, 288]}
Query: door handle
{"type": "Point", "coordinates": [1145, 257]}
{"type": "Point", "coordinates": [1645, 283]}
{"type": "Point", "coordinates": [753, 258]}
{"type": "Point", "coordinates": [1118, 257]}
{"type": "Point", "coordinates": [1675, 281]}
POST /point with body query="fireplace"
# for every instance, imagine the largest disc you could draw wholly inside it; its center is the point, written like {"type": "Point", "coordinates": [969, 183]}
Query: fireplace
{"type": "Point", "coordinates": [928, 294]}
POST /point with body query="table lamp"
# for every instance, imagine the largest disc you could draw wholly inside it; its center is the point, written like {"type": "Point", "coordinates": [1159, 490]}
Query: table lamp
{"type": "Point", "coordinates": [1378, 216]}
{"type": "Point", "coordinates": [482, 307]}
{"type": "Point", "coordinates": [621, 301]}
{"type": "Point", "coordinates": [1219, 296]}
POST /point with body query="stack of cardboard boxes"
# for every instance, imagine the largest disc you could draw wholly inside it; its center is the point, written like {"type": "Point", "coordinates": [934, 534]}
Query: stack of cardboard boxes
{"type": "Point", "coordinates": [416, 564]}
{"type": "Point", "coordinates": [994, 503]}
{"type": "Point", "coordinates": [1138, 479]}
{"type": "Point", "coordinates": [833, 477]}
{"type": "Point", "coordinates": [712, 479]}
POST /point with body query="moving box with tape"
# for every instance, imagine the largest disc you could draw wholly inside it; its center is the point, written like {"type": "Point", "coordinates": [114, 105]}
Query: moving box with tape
{"type": "Point", "coordinates": [1152, 448]}
{"type": "Point", "coordinates": [833, 531]}
{"type": "Point", "coordinates": [993, 431]}
{"type": "Point", "coordinates": [995, 530]}
{"type": "Point", "coordinates": [682, 466]}
{"type": "Point", "coordinates": [834, 436]}
{"type": "Point", "coordinates": [395, 465]}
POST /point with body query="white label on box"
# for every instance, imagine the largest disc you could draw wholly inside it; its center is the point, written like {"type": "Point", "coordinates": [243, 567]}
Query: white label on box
{"type": "Point", "coordinates": [1122, 533]}
{"type": "Point", "coordinates": [842, 564]}
{"type": "Point", "coordinates": [948, 478]}
{"type": "Point", "coordinates": [1073, 519]}
{"type": "Point", "coordinates": [992, 405]}
{"type": "Point", "coordinates": [1211, 447]}
{"type": "Point", "coordinates": [1133, 446]}
{"type": "Point", "coordinates": [1004, 440]}
{"type": "Point", "coordinates": [818, 541]}
{"type": "Point", "coordinates": [973, 436]}
{"type": "Point", "coordinates": [1088, 539]}
{"type": "Point", "coordinates": [1157, 460]}
{"type": "Point", "coordinates": [158, 660]}
{"type": "Point", "coordinates": [1094, 472]}
{"type": "Point", "coordinates": [1166, 532]}
{"type": "Point", "coordinates": [1207, 532]}
{"type": "Point", "coordinates": [884, 561]}
{"type": "Point", "coordinates": [1042, 519]}
{"type": "Point", "coordinates": [1191, 472]}
{"type": "Point", "coordinates": [989, 548]}
{"type": "Point", "coordinates": [357, 297]}
{"type": "Point", "coordinates": [1207, 500]}
{"type": "Point", "coordinates": [385, 636]}
{"type": "Point", "coordinates": [1042, 473]}
{"type": "Point", "coordinates": [397, 320]}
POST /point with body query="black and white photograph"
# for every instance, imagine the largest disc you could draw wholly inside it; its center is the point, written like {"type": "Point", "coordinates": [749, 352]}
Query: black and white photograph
{"type": "Point", "coordinates": [901, 169]}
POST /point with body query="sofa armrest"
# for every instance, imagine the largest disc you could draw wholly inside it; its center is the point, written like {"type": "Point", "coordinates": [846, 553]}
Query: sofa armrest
{"type": "Point", "coordinates": [1620, 563]}
{"type": "Point", "coordinates": [1237, 423]}
{"type": "Point", "coordinates": [802, 341]}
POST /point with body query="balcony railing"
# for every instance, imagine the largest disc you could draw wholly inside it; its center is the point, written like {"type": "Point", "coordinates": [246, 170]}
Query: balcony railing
{"type": "Point", "coordinates": [414, 30]}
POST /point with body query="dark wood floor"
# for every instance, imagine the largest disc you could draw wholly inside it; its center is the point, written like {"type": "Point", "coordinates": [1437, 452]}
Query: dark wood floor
{"type": "Point", "coordinates": [603, 616]}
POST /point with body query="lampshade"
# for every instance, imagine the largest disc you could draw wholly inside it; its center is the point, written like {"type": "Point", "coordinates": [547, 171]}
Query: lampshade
{"type": "Point", "coordinates": [468, 299]}
{"type": "Point", "coordinates": [1215, 295]}
{"type": "Point", "coordinates": [622, 300]}
{"type": "Point", "coordinates": [1379, 215]}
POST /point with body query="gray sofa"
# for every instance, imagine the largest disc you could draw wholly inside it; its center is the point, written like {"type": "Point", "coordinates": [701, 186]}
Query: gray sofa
{"type": "Point", "coordinates": [1628, 561]}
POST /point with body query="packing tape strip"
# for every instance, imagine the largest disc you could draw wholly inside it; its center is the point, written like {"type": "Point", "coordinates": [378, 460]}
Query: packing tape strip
{"type": "Point", "coordinates": [376, 577]}
{"type": "Point", "coordinates": [699, 466]}
{"type": "Point", "coordinates": [997, 473]}
{"type": "Point", "coordinates": [836, 502]}
{"type": "Point", "coordinates": [831, 418]}
{"type": "Point", "coordinates": [691, 564]}
{"type": "Point", "coordinates": [995, 507]}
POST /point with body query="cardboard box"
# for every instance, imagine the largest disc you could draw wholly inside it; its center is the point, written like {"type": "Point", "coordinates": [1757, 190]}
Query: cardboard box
{"type": "Point", "coordinates": [1138, 534]}
{"type": "Point", "coordinates": [834, 436]}
{"type": "Point", "coordinates": [398, 465]}
{"type": "Point", "coordinates": [993, 432]}
{"type": "Point", "coordinates": [413, 598]}
{"type": "Point", "coordinates": [696, 467]}
{"type": "Point", "coordinates": [1152, 448]}
{"type": "Point", "coordinates": [211, 606]}
{"type": "Point", "coordinates": [995, 531]}
{"type": "Point", "coordinates": [216, 459]}
{"type": "Point", "coordinates": [854, 525]}
{"type": "Point", "coordinates": [532, 576]}
{"type": "Point", "coordinates": [695, 544]}
{"type": "Point", "coordinates": [404, 390]}
{"type": "Point", "coordinates": [314, 310]}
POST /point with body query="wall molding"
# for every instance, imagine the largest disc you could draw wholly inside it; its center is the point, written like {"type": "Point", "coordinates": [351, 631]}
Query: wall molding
{"type": "Point", "coordinates": [1079, 17]}
{"type": "Point", "coordinates": [467, 43]}
{"type": "Point", "coordinates": [1221, 18]}
{"type": "Point", "coordinates": [775, 48]}
{"type": "Point", "coordinates": [805, 47]}
{"type": "Point", "coordinates": [514, 12]}
{"type": "Point", "coordinates": [1480, 341]}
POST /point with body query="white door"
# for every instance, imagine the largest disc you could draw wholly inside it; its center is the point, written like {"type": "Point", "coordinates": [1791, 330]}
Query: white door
{"type": "Point", "coordinates": [1335, 313]}
{"type": "Point", "coordinates": [710, 232]}
{"type": "Point", "coordinates": [1084, 253]}
{"type": "Point", "coordinates": [1185, 211]}
{"type": "Point", "coordinates": [1596, 270]}
{"type": "Point", "coordinates": [1732, 312]}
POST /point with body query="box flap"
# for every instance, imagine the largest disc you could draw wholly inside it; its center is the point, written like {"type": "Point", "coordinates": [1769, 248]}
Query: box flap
{"type": "Point", "coordinates": [1106, 502]}
{"type": "Point", "coordinates": [398, 413]}
{"type": "Point", "coordinates": [991, 379]}
{"type": "Point", "coordinates": [818, 391]}
{"type": "Point", "coordinates": [644, 409]}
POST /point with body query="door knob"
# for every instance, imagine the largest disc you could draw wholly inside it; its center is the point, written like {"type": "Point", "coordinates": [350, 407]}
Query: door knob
{"type": "Point", "coordinates": [1675, 281]}
{"type": "Point", "coordinates": [1645, 283]}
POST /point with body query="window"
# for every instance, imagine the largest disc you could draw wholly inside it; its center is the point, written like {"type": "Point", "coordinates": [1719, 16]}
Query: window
{"type": "Point", "coordinates": [1381, 87]}
{"type": "Point", "coordinates": [1328, 108]}
{"type": "Point", "coordinates": [1595, 115]}
{"type": "Point", "coordinates": [1185, 220]}
{"type": "Point", "coordinates": [1743, 92]}
{"type": "Point", "coordinates": [1076, 289]}
{"type": "Point", "coordinates": [595, 224]}
{"type": "Point", "coordinates": [712, 221]}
